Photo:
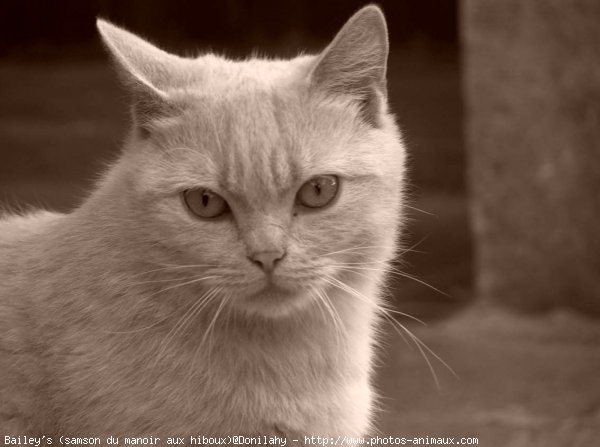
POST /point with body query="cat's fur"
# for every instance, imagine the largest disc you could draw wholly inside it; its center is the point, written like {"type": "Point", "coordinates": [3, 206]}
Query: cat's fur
{"type": "Point", "coordinates": [89, 299]}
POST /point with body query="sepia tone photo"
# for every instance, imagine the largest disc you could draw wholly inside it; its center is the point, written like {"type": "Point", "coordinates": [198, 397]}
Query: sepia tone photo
{"type": "Point", "coordinates": [302, 223]}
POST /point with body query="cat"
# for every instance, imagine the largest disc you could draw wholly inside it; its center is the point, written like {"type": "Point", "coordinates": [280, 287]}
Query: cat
{"type": "Point", "coordinates": [225, 275]}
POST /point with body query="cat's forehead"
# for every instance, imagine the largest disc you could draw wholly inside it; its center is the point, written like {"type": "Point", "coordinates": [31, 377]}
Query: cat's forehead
{"type": "Point", "coordinates": [257, 146]}
{"type": "Point", "coordinates": [262, 141]}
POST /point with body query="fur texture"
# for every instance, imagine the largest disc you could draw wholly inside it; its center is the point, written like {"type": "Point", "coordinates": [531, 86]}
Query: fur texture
{"type": "Point", "coordinates": [131, 317]}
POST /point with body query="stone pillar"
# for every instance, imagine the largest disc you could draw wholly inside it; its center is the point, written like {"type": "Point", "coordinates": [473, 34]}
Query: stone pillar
{"type": "Point", "coordinates": [532, 97]}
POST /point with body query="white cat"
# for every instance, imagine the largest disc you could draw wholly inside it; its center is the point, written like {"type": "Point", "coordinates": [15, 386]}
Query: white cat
{"type": "Point", "coordinates": [224, 277]}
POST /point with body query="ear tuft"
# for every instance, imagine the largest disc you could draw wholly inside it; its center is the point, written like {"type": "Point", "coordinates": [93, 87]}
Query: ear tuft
{"type": "Point", "coordinates": [355, 62]}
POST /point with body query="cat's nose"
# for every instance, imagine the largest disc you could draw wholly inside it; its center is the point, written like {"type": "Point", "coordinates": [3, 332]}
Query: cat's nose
{"type": "Point", "coordinates": [267, 260]}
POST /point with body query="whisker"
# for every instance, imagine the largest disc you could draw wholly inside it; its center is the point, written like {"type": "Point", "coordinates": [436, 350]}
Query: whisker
{"type": "Point", "coordinates": [186, 265]}
{"type": "Point", "coordinates": [420, 210]}
{"type": "Point", "coordinates": [359, 247]}
{"type": "Point", "coordinates": [421, 346]}
{"type": "Point", "coordinates": [345, 287]}
{"type": "Point", "coordinates": [395, 325]}
{"type": "Point", "coordinates": [184, 284]}
{"type": "Point", "coordinates": [348, 289]}
{"type": "Point", "coordinates": [174, 267]}
{"type": "Point", "coordinates": [398, 251]}
{"type": "Point", "coordinates": [388, 309]}
{"type": "Point", "coordinates": [133, 331]}
{"type": "Point", "coordinates": [437, 357]}
{"type": "Point", "coordinates": [418, 344]}
{"type": "Point", "coordinates": [392, 270]}
{"type": "Point", "coordinates": [418, 320]}
{"type": "Point", "coordinates": [361, 263]}
{"type": "Point", "coordinates": [413, 246]}
{"type": "Point", "coordinates": [420, 281]}
{"type": "Point", "coordinates": [213, 321]}
{"type": "Point", "coordinates": [340, 328]}
{"type": "Point", "coordinates": [188, 316]}
{"type": "Point", "coordinates": [201, 343]}
{"type": "Point", "coordinates": [317, 300]}
{"type": "Point", "coordinates": [162, 280]}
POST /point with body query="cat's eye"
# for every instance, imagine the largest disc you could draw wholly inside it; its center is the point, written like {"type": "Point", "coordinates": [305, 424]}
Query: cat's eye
{"type": "Point", "coordinates": [318, 191]}
{"type": "Point", "coordinates": [204, 203]}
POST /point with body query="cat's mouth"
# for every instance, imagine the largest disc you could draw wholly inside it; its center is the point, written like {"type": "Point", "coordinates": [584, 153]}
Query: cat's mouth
{"type": "Point", "coordinates": [275, 298]}
{"type": "Point", "coordinates": [274, 290]}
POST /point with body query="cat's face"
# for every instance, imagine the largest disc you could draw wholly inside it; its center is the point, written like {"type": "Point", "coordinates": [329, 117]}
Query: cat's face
{"type": "Point", "coordinates": [274, 188]}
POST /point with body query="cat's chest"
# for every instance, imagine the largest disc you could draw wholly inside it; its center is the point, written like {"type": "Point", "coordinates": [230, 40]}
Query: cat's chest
{"type": "Point", "coordinates": [234, 387]}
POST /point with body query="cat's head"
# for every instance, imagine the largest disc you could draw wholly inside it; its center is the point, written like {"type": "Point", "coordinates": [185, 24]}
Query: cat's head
{"type": "Point", "coordinates": [277, 178]}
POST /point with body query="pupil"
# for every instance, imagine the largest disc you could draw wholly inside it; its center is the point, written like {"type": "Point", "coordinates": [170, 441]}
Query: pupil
{"type": "Point", "coordinates": [318, 189]}
{"type": "Point", "coordinates": [205, 199]}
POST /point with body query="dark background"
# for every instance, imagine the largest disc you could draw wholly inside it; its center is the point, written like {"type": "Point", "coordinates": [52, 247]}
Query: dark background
{"type": "Point", "coordinates": [233, 25]}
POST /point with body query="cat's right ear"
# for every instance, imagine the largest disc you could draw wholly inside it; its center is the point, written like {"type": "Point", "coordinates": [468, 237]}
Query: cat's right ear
{"type": "Point", "coordinates": [146, 71]}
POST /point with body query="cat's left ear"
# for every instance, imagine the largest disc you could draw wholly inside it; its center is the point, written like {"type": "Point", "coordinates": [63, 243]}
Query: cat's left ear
{"type": "Point", "coordinates": [355, 62]}
{"type": "Point", "coordinates": [146, 71]}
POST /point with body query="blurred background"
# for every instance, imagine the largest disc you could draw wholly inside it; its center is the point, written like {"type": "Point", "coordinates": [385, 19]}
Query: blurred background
{"type": "Point", "coordinates": [499, 105]}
